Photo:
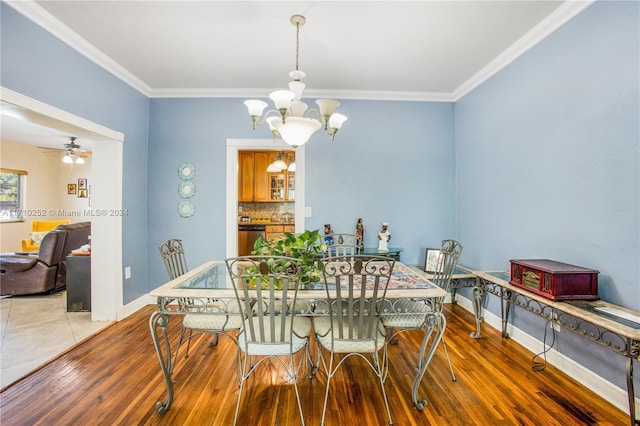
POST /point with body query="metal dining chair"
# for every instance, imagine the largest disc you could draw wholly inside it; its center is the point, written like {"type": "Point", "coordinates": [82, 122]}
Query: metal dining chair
{"type": "Point", "coordinates": [173, 256]}
{"type": "Point", "coordinates": [272, 329]}
{"type": "Point", "coordinates": [450, 251]}
{"type": "Point", "coordinates": [342, 245]}
{"type": "Point", "coordinates": [348, 322]}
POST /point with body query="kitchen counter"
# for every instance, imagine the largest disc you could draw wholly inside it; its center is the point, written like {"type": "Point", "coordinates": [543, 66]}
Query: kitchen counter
{"type": "Point", "coordinates": [261, 222]}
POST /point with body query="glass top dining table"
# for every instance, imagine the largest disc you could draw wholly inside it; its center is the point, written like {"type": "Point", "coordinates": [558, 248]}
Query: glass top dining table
{"type": "Point", "coordinates": [194, 292]}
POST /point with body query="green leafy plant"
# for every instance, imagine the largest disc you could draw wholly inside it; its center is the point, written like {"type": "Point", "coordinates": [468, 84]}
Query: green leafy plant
{"type": "Point", "coordinates": [306, 246]}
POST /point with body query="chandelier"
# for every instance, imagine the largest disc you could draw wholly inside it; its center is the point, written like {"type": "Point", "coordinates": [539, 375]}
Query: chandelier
{"type": "Point", "coordinates": [279, 164]}
{"type": "Point", "coordinates": [291, 119]}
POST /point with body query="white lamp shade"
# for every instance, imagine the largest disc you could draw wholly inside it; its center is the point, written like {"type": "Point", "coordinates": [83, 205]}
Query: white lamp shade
{"type": "Point", "coordinates": [296, 87]}
{"type": "Point", "coordinates": [297, 108]}
{"type": "Point", "coordinates": [271, 168]}
{"type": "Point", "coordinates": [255, 107]}
{"type": "Point", "coordinates": [281, 98]}
{"type": "Point", "coordinates": [327, 106]}
{"type": "Point", "coordinates": [292, 167]}
{"type": "Point", "coordinates": [279, 164]}
{"type": "Point", "coordinates": [67, 159]}
{"type": "Point", "coordinates": [79, 160]}
{"type": "Point", "coordinates": [297, 130]}
{"type": "Point", "coordinates": [270, 121]}
{"type": "Point", "coordinates": [336, 120]}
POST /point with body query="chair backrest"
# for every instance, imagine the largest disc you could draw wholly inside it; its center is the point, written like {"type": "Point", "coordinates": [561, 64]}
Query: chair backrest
{"type": "Point", "coordinates": [342, 245]}
{"type": "Point", "coordinates": [172, 252]}
{"type": "Point", "coordinates": [353, 307]}
{"type": "Point", "coordinates": [266, 288]}
{"type": "Point", "coordinates": [51, 248]}
{"type": "Point", "coordinates": [450, 251]}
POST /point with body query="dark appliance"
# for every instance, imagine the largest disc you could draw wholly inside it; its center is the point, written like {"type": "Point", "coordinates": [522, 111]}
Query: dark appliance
{"type": "Point", "coordinates": [247, 235]}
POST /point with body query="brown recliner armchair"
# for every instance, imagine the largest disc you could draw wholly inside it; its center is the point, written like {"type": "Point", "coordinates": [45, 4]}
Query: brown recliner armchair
{"type": "Point", "coordinates": [27, 274]}
{"type": "Point", "coordinates": [46, 272]}
{"type": "Point", "coordinates": [77, 236]}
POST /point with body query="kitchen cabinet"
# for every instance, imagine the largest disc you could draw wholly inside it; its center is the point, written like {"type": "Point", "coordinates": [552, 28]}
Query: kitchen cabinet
{"type": "Point", "coordinates": [253, 179]}
{"type": "Point", "coordinates": [279, 229]}
{"type": "Point", "coordinates": [282, 185]}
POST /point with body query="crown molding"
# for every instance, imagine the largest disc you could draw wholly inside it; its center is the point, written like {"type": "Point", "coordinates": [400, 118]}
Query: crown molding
{"type": "Point", "coordinates": [38, 15]}
{"type": "Point", "coordinates": [333, 94]}
{"type": "Point", "coordinates": [555, 20]}
{"type": "Point", "coordinates": [570, 8]}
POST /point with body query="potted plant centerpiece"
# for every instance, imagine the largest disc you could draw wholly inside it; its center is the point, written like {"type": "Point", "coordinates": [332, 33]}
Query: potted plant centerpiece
{"type": "Point", "coordinates": [306, 246]}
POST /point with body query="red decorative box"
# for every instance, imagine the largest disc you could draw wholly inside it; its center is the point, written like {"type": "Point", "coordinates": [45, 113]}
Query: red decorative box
{"type": "Point", "coordinates": [555, 280]}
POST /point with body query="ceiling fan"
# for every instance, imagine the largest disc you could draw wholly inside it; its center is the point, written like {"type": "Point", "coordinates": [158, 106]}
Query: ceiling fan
{"type": "Point", "coordinates": [72, 151]}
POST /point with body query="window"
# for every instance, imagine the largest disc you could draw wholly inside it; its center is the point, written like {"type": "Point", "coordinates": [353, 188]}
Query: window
{"type": "Point", "coordinates": [12, 184]}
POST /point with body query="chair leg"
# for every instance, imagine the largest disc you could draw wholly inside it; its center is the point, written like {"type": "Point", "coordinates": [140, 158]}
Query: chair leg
{"type": "Point", "coordinates": [214, 342]}
{"type": "Point", "coordinates": [293, 373]}
{"type": "Point", "coordinates": [186, 354]}
{"type": "Point", "coordinates": [326, 392]}
{"type": "Point", "coordinates": [453, 375]}
{"type": "Point", "coordinates": [243, 377]}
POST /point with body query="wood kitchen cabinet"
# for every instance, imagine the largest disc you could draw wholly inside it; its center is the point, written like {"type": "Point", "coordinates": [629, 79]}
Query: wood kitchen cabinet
{"type": "Point", "coordinates": [278, 229]}
{"type": "Point", "coordinates": [253, 179]}
{"type": "Point", "coordinates": [282, 185]}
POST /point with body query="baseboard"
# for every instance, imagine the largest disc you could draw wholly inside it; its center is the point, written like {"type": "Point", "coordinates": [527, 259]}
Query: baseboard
{"type": "Point", "coordinates": [607, 390]}
{"type": "Point", "coordinates": [134, 306]}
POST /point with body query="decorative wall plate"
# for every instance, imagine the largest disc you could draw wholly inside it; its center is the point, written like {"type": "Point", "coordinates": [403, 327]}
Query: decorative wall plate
{"type": "Point", "coordinates": [186, 189]}
{"type": "Point", "coordinates": [186, 208]}
{"type": "Point", "coordinates": [186, 171]}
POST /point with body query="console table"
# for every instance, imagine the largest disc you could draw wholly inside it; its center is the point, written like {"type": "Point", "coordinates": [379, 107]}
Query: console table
{"type": "Point", "coordinates": [611, 326]}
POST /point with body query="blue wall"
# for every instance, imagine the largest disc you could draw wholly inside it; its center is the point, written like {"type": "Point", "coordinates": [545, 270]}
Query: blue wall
{"type": "Point", "coordinates": [542, 160]}
{"type": "Point", "coordinates": [40, 66]}
{"type": "Point", "coordinates": [392, 161]}
{"type": "Point", "coordinates": [547, 160]}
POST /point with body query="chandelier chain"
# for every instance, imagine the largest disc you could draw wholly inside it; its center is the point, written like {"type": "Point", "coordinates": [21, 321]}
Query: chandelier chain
{"type": "Point", "coordinates": [297, 45]}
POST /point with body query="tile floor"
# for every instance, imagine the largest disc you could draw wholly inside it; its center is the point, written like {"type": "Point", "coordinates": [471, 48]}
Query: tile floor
{"type": "Point", "coordinates": [35, 329]}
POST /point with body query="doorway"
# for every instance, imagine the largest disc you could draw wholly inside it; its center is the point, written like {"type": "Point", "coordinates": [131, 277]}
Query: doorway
{"type": "Point", "coordinates": [233, 147]}
{"type": "Point", "coordinates": [106, 232]}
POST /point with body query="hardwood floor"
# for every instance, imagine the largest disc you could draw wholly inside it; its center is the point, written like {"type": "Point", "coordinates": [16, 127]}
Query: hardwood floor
{"type": "Point", "coordinates": [114, 378]}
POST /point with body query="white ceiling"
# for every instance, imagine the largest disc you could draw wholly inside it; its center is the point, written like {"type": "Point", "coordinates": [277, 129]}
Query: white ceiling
{"type": "Point", "coordinates": [403, 50]}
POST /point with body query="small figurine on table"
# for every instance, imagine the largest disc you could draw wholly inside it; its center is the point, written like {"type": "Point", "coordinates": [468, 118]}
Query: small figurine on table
{"type": "Point", "coordinates": [384, 236]}
{"type": "Point", "coordinates": [328, 234]}
{"type": "Point", "coordinates": [360, 235]}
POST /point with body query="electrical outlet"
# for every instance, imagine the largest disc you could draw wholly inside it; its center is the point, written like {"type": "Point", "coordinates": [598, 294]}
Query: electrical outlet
{"type": "Point", "coordinates": [307, 212]}
{"type": "Point", "coordinates": [127, 272]}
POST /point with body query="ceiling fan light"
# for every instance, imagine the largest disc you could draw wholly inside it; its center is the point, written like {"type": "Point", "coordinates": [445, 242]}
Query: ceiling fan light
{"type": "Point", "coordinates": [79, 160]}
{"type": "Point", "coordinates": [292, 167]}
{"type": "Point", "coordinates": [67, 159]}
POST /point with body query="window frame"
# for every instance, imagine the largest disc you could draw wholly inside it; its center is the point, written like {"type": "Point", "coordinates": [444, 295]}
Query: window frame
{"type": "Point", "coordinates": [18, 211]}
